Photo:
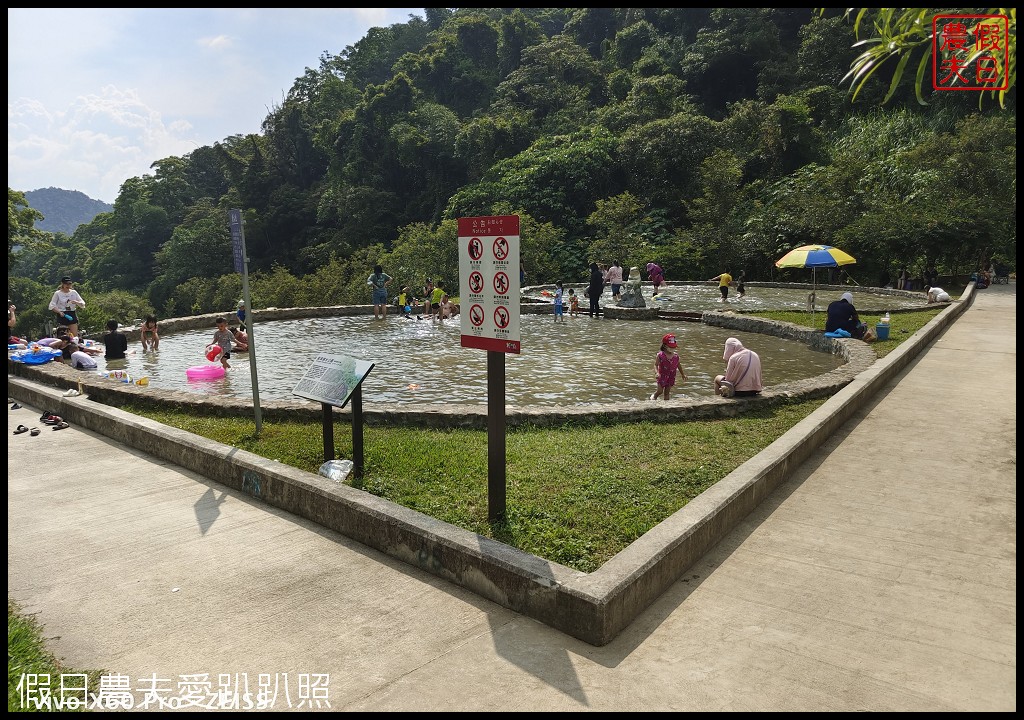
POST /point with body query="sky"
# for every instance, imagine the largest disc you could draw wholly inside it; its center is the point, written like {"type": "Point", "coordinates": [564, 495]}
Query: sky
{"type": "Point", "coordinates": [96, 96]}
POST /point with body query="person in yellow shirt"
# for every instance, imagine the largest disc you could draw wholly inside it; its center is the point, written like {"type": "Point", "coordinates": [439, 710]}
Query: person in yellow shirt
{"type": "Point", "coordinates": [435, 300]}
{"type": "Point", "coordinates": [724, 281]}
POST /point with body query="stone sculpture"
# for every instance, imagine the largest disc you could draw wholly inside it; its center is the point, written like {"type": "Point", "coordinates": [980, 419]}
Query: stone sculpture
{"type": "Point", "coordinates": [632, 294]}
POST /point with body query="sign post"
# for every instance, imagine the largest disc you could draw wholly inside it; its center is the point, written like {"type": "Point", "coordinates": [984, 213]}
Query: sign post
{"type": "Point", "coordinates": [242, 266]}
{"type": "Point", "coordinates": [489, 296]}
{"type": "Point", "coordinates": [332, 380]}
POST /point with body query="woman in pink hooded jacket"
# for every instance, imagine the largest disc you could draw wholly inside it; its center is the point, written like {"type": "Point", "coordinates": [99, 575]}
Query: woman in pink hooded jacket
{"type": "Point", "coordinates": [742, 371]}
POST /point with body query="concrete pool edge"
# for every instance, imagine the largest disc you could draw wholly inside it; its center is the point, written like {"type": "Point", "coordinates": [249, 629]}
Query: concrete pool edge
{"type": "Point", "coordinates": [592, 607]}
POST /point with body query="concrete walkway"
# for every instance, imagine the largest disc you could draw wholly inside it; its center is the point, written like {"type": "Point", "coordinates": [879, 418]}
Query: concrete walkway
{"type": "Point", "coordinates": [881, 576]}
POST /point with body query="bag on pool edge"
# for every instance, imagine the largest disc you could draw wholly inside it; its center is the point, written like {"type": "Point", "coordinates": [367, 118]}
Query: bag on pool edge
{"type": "Point", "coordinates": [727, 390]}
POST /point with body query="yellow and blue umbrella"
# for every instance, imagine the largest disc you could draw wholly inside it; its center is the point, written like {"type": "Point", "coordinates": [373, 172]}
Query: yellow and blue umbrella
{"type": "Point", "coordinates": [814, 257]}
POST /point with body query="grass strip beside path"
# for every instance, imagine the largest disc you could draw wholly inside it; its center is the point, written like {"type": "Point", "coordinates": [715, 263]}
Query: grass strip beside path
{"type": "Point", "coordinates": [575, 495]}
{"type": "Point", "coordinates": [32, 670]}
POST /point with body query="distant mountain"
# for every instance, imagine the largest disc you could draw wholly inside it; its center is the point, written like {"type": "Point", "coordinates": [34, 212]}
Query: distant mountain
{"type": "Point", "coordinates": [64, 210]}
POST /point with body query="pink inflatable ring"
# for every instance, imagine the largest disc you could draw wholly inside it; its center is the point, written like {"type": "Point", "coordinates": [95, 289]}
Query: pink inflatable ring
{"type": "Point", "coordinates": [205, 372]}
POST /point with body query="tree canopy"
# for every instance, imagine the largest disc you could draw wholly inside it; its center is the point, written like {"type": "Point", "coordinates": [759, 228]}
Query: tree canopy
{"type": "Point", "coordinates": [694, 137]}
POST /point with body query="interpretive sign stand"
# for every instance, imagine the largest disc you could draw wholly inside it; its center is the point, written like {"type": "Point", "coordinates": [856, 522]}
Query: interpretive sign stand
{"type": "Point", "coordinates": [332, 380]}
{"type": "Point", "coordinates": [489, 300]}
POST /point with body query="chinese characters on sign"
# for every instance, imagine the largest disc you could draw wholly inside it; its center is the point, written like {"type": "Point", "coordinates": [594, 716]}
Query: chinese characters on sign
{"type": "Point", "coordinates": [489, 282]}
{"type": "Point", "coordinates": [225, 691]}
{"type": "Point", "coordinates": [970, 52]}
{"type": "Point", "coordinates": [332, 379]}
{"type": "Point", "coordinates": [237, 239]}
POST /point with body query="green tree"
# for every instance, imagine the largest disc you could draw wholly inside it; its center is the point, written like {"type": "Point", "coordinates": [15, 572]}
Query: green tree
{"type": "Point", "coordinates": [905, 35]}
{"type": "Point", "coordinates": [199, 247]}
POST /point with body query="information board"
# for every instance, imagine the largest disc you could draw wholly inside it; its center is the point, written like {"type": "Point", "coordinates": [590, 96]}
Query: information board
{"type": "Point", "coordinates": [332, 379]}
{"type": "Point", "coordinates": [489, 282]}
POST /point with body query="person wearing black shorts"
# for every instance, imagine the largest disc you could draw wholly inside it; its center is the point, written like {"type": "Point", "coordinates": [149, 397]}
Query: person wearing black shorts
{"type": "Point", "coordinates": [65, 304]}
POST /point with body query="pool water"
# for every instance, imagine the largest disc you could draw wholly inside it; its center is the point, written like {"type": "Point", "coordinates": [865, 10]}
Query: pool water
{"type": "Point", "coordinates": [580, 361]}
{"type": "Point", "coordinates": [706, 296]}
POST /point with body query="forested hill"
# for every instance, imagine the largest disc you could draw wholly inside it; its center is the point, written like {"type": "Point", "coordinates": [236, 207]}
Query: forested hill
{"type": "Point", "coordinates": [707, 140]}
{"type": "Point", "coordinates": [64, 210]}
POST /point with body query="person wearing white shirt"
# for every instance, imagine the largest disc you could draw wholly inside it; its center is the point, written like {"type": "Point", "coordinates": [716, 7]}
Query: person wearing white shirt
{"type": "Point", "coordinates": [65, 304]}
{"type": "Point", "coordinates": [937, 295]}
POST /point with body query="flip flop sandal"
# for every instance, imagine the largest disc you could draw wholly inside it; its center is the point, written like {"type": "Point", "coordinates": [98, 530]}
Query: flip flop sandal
{"type": "Point", "coordinates": [33, 432]}
{"type": "Point", "coordinates": [52, 420]}
{"type": "Point", "coordinates": [61, 426]}
{"type": "Point", "coordinates": [21, 429]}
{"type": "Point", "coordinates": [15, 406]}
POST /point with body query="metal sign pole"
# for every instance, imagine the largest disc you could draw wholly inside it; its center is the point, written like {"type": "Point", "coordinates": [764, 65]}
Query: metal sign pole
{"type": "Point", "coordinates": [242, 265]}
{"type": "Point", "coordinates": [495, 436]}
{"type": "Point", "coordinates": [328, 430]}
{"type": "Point", "coordinates": [357, 430]}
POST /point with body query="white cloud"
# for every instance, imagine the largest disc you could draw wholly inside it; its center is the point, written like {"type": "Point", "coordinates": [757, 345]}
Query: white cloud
{"type": "Point", "coordinates": [112, 91]}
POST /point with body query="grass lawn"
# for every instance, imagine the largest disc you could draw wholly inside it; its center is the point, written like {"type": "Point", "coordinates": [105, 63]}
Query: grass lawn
{"type": "Point", "coordinates": [575, 495]}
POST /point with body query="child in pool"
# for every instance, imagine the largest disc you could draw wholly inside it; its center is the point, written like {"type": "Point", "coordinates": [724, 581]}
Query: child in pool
{"type": "Point", "coordinates": [150, 336]}
{"type": "Point", "coordinates": [446, 308]}
{"type": "Point", "coordinates": [666, 365]}
{"type": "Point", "coordinates": [223, 338]}
{"type": "Point", "coordinates": [574, 303]}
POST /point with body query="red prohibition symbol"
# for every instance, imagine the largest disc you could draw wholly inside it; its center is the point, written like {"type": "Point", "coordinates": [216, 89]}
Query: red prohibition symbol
{"type": "Point", "coordinates": [501, 248]}
{"type": "Point", "coordinates": [476, 248]}
{"type": "Point", "coordinates": [501, 317]}
{"type": "Point", "coordinates": [500, 283]}
{"type": "Point", "coordinates": [476, 315]}
{"type": "Point", "coordinates": [476, 282]}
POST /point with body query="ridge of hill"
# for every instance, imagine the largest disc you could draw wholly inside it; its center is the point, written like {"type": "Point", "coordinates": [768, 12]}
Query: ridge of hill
{"type": "Point", "coordinates": [64, 210]}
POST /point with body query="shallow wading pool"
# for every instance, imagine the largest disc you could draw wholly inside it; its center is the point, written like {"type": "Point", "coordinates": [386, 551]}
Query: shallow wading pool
{"type": "Point", "coordinates": [580, 361]}
{"type": "Point", "coordinates": [706, 296]}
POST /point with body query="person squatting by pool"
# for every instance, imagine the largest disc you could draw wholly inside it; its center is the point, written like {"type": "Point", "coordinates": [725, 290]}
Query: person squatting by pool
{"type": "Point", "coordinates": [742, 371]}
{"type": "Point", "coordinates": [150, 334]}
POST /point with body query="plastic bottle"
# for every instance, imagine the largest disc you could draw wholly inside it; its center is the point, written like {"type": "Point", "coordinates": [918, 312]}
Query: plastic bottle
{"type": "Point", "coordinates": [885, 320]}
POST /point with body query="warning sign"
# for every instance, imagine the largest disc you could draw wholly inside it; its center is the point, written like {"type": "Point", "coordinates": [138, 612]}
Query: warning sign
{"type": "Point", "coordinates": [489, 282]}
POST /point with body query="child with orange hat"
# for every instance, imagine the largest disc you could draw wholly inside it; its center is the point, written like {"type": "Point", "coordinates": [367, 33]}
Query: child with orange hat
{"type": "Point", "coordinates": [666, 365]}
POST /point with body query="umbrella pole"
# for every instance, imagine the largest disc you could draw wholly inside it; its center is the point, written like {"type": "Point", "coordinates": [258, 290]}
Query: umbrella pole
{"type": "Point", "coordinates": [814, 293]}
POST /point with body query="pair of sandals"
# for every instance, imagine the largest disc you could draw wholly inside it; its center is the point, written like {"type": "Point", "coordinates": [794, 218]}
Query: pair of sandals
{"type": "Point", "coordinates": [48, 418]}
{"type": "Point", "coordinates": [33, 432]}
